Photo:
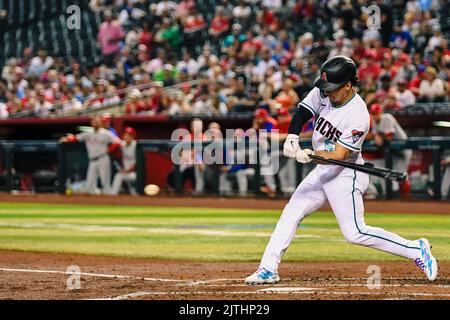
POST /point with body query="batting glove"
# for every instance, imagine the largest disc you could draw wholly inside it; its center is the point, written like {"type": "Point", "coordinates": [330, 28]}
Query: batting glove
{"type": "Point", "coordinates": [291, 146]}
{"type": "Point", "coordinates": [302, 155]}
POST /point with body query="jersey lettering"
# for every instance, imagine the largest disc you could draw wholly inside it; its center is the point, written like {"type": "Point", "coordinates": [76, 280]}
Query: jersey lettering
{"type": "Point", "coordinates": [332, 133]}
{"type": "Point", "coordinates": [324, 128]}
{"type": "Point", "coordinates": [319, 123]}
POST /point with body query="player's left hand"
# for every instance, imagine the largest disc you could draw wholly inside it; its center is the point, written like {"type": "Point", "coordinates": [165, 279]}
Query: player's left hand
{"type": "Point", "coordinates": [291, 146]}
{"type": "Point", "coordinates": [302, 155]}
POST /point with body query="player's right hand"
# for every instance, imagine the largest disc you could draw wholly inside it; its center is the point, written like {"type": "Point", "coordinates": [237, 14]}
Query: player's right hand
{"type": "Point", "coordinates": [291, 146]}
{"type": "Point", "coordinates": [303, 155]}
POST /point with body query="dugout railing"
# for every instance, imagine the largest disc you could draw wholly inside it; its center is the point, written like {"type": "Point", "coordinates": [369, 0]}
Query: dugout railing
{"type": "Point", "coordinates": [65, 159]}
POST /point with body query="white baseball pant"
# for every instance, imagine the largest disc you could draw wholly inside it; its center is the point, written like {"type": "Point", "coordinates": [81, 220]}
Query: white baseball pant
{"type": "Point", "coordinates": [119, 178]}
{"type": "Point", "coordinates": [445, 184]}
{"type": "Point", "coordinates": [225, 185]}
{"type": "Point", "coordinates": [99, 168]}
{"type": "Point", "coordinates": [344, 193]}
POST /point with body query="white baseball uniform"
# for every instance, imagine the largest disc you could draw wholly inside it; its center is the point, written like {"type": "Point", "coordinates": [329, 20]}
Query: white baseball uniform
{"type": "Point", "coordinates": [129, 161]}
{"type": "Point", "coordinates": [99, 162]}
{"type": "Point", "coordinates": [346, 125]}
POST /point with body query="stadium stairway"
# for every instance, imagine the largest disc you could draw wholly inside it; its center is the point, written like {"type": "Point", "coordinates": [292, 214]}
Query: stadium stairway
{"type": "Point", "coordinates": [42, 24]}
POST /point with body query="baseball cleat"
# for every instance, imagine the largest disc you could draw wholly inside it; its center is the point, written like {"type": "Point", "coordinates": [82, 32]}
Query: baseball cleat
{"type": "Point", "coordinates": [426, 261]}
{"type": "Point", "coordinates": [262, 276]}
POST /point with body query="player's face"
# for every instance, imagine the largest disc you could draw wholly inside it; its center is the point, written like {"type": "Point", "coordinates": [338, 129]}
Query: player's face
{"type": "Point", "coordinates": [376, 117]}
{"type": "Point", "coordinates": [341, 94]}
{"type": "Point", "coordinates": [128, 138]}
{"type": "Point", "coordinates": [96, 122]}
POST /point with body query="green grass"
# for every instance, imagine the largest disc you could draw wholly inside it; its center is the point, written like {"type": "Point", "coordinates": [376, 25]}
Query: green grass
{"type": "Point", "coordinates": [204, 234]}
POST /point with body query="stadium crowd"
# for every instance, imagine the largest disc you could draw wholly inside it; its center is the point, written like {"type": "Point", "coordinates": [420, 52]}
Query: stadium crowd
{"type": "Point", "coordinates": [254, 56]}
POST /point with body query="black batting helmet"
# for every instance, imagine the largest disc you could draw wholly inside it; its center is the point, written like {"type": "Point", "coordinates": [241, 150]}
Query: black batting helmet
{"type": "Point", "coordinates": [335, 72]}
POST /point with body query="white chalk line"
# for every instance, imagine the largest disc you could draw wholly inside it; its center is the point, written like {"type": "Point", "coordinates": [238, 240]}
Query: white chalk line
{"type": "Point", "coordinates": [275, 290]}
{"type": "Point", "coordinates": [87, 274]}
{"type": "Point", "coordinates": [211, 282]}
{"type": "Point", "coordinates": [192, 231]}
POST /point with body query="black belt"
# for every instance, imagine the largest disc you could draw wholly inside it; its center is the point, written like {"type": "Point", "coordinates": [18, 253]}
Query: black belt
{"type": "Point", "coordinates": [97, 158]}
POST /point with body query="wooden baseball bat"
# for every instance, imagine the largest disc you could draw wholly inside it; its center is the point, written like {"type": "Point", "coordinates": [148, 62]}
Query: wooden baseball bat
{"type": "Point", "coordinates": [367, 168]}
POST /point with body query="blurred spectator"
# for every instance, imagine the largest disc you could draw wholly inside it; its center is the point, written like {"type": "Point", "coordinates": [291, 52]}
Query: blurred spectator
{"type": "Point", "coordinates": [155, 64]}
{"type": "Point", "coordinates": [263, 121]}
{"type": "Point", "coordinates": [188, 64]}
{"type": "Point", "coordinates": [405, 70]}
{"type": "Point", "coordinates": [287, 97]}
{"type": "Point", "coordinates": [169, 35]}
{"type": "Point", "coordinates": [42, 106]}
{"type": "Point", "coordinates": [369, 68]}
{"type": "Point", "coordinates": [194, 22]}
{"type": "Point", "coordinates": [204, 105]}
{"type": "Point", "coordinates": [109, 36]}
{"type": "Point", "coordinates": [135, 103]}
{"type": "Point", "coordinates": [391, 103]}
{"type": "Point", "coordinates": [206, 58]}
{"type": "Point", "coordinates": [184, 7]}
{"type": "Point", "coordinates": [236, 98]}
{"type": "Point", "coordinates": [242, 11]}
{"type": "Point", "coordinates": [165, 6]}
{"type": "Point", "coordinates": [401, 39]}
{"type": "Point", "coordinates": [3, 111]}
{"type": "Point", "coordinates": [41, 63]}
{"type": "Point", "coordinates": [220, 24]}
{"type": "Point", "coordinates": [404, 96]}
{"type": "Point", "coordinates": [385, 91]}
{"type": "Point", "coordinates": [267, 18]}
{"type": "Point", "coordinates": [431, 88]}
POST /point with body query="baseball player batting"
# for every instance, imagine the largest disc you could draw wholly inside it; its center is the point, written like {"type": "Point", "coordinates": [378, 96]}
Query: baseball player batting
{"type": "Point", "coordinates": [342, 122]}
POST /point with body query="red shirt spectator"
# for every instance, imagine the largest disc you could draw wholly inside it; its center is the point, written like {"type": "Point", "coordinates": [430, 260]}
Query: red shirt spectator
{"type": "Point", "coordinates": [219, 24]}
{"type": "Point", "coordinates": [414, 84]}
{"type": "Point", "coordinates": [194, 23]}
{"type": "Point", "coordinates": [146, 37]}
{"type": "Point", "coordinates": [284, 120]}
{"type": "Point", "coordinates": [135, 104]}
{"type": "Point", "coordinates": [370, 69]}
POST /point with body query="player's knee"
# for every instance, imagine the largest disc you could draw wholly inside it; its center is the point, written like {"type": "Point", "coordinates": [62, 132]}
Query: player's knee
{"type": "Point", "coordinates": [294, 211]}
{"type": "Point", "coordinates": [352, 236]}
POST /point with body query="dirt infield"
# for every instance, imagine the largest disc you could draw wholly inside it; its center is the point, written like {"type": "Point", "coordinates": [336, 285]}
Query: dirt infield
{"type": "Point", "coordinates": [391, 206]}
{"type": "Point", "coordinates": [43, 276]}
{"type": "Point", "coordinates": [26, 275]}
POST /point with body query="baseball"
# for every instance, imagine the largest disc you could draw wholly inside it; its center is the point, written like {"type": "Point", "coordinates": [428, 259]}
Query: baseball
{"type": "Point", "coordinates": [151, 190]}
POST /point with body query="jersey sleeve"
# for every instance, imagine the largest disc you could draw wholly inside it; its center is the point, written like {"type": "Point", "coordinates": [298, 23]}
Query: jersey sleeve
{"type": "Point", "coordinates": [311, 101]}
{"type": "Point", "coordinates": [111, 137]}
{"type": "Point", "coordinates": [82, 136]}
{"type": "Point", "coordinates": [353, 135]}
{"type": "Point", "coordinates": [388, 124]}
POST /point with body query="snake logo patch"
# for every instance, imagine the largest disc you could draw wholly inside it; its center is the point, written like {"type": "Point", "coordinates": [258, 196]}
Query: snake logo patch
{"type": "Point", "coordinates": [356, 135]}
